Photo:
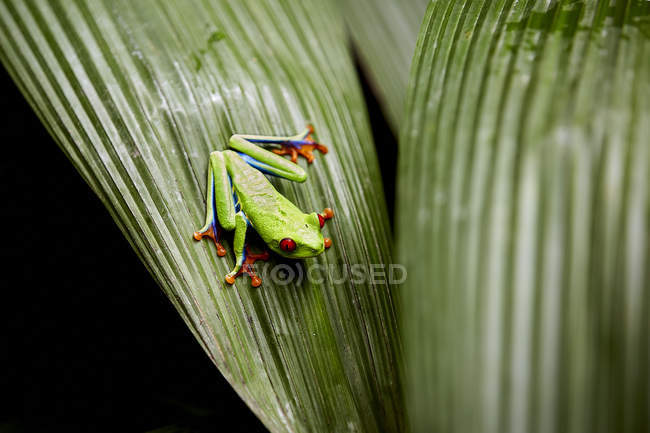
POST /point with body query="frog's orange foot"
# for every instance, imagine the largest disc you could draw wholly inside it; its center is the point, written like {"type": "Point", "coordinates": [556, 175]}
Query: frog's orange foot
{"type": "Point", "coordinates": [304, 148]}
{"type": "Point", "coordinates": [322, 217]}
{"type": "Point", "coordinates": [247, 267]}
{"type": "Point", "coordinates": [327, 214]}
{"type": "Point", "coordinates": [210, 232]}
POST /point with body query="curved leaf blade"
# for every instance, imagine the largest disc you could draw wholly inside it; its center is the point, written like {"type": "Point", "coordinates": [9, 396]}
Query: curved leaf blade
{"type": "Point", "coordinates": [138, 93]}
{"type": "Point", "coordinates": [524, 217]}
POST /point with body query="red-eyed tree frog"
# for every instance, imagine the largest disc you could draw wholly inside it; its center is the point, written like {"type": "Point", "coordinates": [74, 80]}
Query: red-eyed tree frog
{"type": "Point", "coordinates": [240, 196]}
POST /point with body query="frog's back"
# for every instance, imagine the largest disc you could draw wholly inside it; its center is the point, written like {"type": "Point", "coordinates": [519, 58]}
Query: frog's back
{"type": "Point", "coordinates": [260, 201]}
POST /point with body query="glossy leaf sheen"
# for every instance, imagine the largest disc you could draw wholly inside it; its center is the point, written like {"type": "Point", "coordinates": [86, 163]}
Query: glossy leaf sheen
{"type": "Point", "coordinates": [524, 217]}
{"type": "Point", "coordinates": [137, 93]}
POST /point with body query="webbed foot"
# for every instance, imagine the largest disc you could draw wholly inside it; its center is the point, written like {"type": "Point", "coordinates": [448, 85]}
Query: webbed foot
{"type": "Point", "coordinates": [247, 267]}
{"type": "Point", "coordinates": [304, 147]}
{"type": "Point", "coordinates": [215, 236]}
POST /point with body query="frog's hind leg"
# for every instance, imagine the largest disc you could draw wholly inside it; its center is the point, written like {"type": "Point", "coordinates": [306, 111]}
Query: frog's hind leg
{"type": "Point", "coordinates": [263, 160]}
{"type": "Point", "coordinates": [244, 259]}
{"type": "Point", "coordinates": [300, 144]}
{"type": "Point", "coordinates": [220, 211]}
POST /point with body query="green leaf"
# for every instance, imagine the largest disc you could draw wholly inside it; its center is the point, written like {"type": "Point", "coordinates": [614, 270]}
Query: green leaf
{"type": "Point", "coordinates": [524, 217]}
{"type": "Point", "coordinates": [137, 93]}
{"type": "Point", "coordinates": [384, 33]}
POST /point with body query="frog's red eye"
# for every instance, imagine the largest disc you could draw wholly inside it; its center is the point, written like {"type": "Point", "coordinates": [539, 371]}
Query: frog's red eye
{"type": "Point", "coordinates": [321, 220]}
{"type": "Point", "coordinates": [287, 244]}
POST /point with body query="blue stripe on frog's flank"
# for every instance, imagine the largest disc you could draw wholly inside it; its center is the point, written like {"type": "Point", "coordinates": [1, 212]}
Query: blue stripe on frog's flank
{"type": "Point", "coordinates": [214, 212]}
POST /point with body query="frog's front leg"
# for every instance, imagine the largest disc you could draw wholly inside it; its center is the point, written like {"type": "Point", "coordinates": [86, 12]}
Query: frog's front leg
{"type": "Point", "coordinates": [244, 259]}
{"type": "Point", "coordinates": [300, 144]}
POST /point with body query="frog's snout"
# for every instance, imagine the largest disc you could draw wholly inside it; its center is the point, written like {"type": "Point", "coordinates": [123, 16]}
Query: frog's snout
{"type": "Point", "coordinates": [317, 249]}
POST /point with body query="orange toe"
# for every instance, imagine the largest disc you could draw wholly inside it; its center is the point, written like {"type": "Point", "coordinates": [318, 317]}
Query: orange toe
{"type": "Point", "coordinates": [221, 251]}
{"type": "Point", "coordinates": [247, 267]}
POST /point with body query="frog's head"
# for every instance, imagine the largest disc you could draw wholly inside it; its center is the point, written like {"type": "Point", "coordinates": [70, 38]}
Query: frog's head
{"type": "Point", "coordinates": [303, 237]}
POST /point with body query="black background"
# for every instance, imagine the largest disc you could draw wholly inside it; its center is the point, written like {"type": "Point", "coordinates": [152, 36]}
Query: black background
{"type": "Point", "coordinates": [89, 342]}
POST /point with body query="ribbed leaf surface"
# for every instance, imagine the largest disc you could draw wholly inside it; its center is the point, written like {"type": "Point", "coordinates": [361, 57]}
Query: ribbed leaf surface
{"type": "Point", "coordinates": [524, 217]}
{"type": "Point", "coordinates": [384, 33]}
{"type": "Point", "coordinates": [137, 93]}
